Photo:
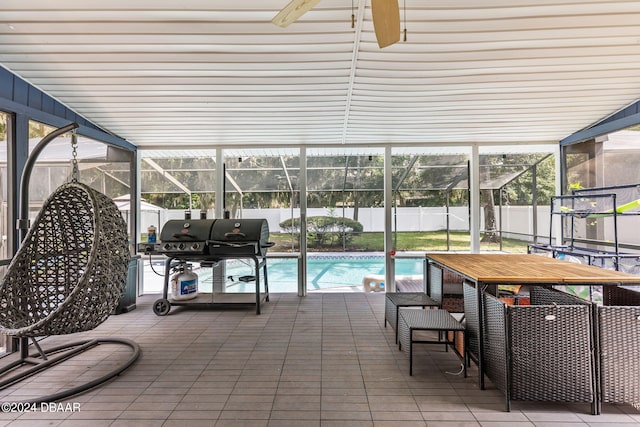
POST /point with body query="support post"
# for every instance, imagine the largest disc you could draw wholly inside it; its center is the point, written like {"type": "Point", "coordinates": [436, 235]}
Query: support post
{"type": "Point", "coordinates": [474, 199]}
{"type": "Point", "coordinates": [390, 273]}
{"type": "Point", "coordinates": [302, 262]}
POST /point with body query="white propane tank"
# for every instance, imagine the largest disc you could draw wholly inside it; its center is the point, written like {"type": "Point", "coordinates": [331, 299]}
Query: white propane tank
{"type": "Point", "coordinates": [184, 284]}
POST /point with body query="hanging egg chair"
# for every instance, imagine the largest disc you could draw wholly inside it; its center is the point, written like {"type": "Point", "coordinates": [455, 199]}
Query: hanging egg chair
{"type": "Point", "coordinates": [67, 276]}
{"type": "Point", "coordinates": [71, 268]}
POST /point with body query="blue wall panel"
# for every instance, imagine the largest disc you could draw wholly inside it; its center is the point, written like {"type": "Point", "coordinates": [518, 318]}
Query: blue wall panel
{"type": "Point", "coordinates": [18, 96]}
{"type": "Point", "coordinates": [20, 91]}
{"type": "Point", "coordinates": [58, 109]}
{"type": "Point", "coordinates": [35, 98]}
{"type": "Point", "coordinates": [6, 84]}
{"type": "Point", "coordinates": [629, 116]}
{"type": "Point", "coordinates": [48, 104]}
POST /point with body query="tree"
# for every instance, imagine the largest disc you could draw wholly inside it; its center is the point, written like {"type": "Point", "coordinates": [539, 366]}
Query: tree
{"type": "Point", "coordinates": [488, 206]}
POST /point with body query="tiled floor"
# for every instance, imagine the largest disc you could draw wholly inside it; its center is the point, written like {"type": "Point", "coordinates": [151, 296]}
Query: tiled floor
{"type": "Point", "coordinates": [322, 360]}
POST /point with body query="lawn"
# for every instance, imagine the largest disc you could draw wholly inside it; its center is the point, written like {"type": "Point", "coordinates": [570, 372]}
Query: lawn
{"type": "Point", "coordinates": [406, 241]}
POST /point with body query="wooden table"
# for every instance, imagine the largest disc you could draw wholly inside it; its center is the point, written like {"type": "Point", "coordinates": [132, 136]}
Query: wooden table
{"type": "Point", "coordinates": [528, 269]}
{"type": "Point", "coordinates": [485, 272]}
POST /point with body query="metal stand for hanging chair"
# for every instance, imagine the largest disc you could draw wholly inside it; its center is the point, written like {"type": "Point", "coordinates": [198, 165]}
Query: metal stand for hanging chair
{"type": "Point", "coordinates": [67, 276]}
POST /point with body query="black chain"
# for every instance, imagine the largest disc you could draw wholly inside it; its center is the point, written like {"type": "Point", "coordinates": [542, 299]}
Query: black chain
{"type": "Point", "coordinates": [75, 173]}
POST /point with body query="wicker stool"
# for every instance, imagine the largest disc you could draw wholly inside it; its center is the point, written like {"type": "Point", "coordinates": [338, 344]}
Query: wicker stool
{"type": "Point", "coordinates": [395, 300]}
{"type": "Point", "coordinates": [411, 320]}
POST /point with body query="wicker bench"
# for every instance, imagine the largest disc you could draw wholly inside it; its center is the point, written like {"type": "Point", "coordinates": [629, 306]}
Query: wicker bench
{"type": "Point", "coordinates": [412, 320]}
{"type": "Point", "coordinates": [395, 300]}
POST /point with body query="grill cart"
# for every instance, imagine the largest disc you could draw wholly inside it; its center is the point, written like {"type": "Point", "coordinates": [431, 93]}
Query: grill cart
{"type": "Point", "coordinates": [212, 242]}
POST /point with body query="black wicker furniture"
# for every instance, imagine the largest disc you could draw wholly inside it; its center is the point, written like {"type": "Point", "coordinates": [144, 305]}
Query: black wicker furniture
{"type": "Point", "coordinates": [619, 345]}
{"type": "Point", "coordinates": [414, 320]}
{"type": "Point", "coordinates": [445, 287]}
{"type": "Point", "coordinates": [487, 316]}
{"type": "Point", "coordinates": [395, 300]}
{"type": "Point", "coordinates": [543, 351]}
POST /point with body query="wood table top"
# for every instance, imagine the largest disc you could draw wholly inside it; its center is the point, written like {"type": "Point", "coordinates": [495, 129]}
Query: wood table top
{"type": "Point", "coordinates": [527, 268]}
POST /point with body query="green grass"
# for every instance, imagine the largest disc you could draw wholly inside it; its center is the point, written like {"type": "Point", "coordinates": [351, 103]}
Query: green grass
{"type": "Point", "coordinates": [407, 241]}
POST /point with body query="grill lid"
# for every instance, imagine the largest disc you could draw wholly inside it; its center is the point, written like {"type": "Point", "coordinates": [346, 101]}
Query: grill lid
{"type": "Point", "coordinates": [183, 236]}
{"type": "Point", "coordinates": [256, 230]}
{"type": "Point", "coordinates": [186, 230]}
{"type": "Point", "coordinates": [214, 237]}
{"type": "Point", "coordinates": [236, 236]}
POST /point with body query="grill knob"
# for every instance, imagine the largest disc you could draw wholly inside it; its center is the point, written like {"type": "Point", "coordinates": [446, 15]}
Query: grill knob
{"type": "Point", "coordinates": [181, 246]}
{"type": "Point", "coordinates": [167, 246]}
{"type": "Point", "coordinates": [195, 246]}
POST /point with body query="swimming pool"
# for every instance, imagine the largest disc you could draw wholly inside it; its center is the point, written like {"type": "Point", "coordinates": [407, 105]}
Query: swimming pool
{"type": "Point", "coordinates": [324, 272]}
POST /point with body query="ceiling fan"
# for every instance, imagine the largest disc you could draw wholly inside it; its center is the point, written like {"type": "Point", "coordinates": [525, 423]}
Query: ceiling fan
{"type": "Point", "coordinates": [385, 13]}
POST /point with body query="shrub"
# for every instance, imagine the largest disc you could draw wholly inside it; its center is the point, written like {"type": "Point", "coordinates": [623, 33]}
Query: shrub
{"type": "Point", "coordinates": [325, 230]}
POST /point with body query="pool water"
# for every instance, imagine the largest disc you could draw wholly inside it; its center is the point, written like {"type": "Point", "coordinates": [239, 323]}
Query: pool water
{"type": "Point", "coordinates": [323, 272]}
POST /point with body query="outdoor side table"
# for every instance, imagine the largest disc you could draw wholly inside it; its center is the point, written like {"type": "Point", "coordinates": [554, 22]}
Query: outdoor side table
{"type": "Point", "coordinates": [412, 320]}
{"type": "Point", "coordinates": [395, 300]}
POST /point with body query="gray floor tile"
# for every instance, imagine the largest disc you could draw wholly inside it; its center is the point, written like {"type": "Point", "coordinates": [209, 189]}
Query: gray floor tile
{"type": "Point", "coordinates": [321, 361]}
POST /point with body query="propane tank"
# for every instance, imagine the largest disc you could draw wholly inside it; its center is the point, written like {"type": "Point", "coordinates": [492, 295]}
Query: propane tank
{"type": "Point", "coordinates": [184, 284]}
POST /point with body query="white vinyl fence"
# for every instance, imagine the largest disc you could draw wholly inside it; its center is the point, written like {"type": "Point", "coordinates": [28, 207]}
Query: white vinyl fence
{"type": "Point", "coordinates": [517, 221]}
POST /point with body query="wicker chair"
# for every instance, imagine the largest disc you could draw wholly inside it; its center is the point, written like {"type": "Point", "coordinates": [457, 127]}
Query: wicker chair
{"type": "Point", "coordinates": [67, 276]}
{"type": "Point", "coordinates": [619, 345]}
{"type": "Point", "coordinates": [446, 287]}
{"type": "Point", "coordinates": [541, 352]}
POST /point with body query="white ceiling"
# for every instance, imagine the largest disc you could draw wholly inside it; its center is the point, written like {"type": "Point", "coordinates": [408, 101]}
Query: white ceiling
{"type": "Point", "coordinates": [205, 73]}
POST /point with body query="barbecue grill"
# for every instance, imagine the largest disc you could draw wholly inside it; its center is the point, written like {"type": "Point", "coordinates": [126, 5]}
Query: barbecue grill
{"type": "Point", "coordinates": [185, 237]}
{"type": "Point", "coordinates": [213, 238]}
{"type": "Point", "coordinates": [240, 237]}
{"type": "Point", "coordinates": [209, 241]}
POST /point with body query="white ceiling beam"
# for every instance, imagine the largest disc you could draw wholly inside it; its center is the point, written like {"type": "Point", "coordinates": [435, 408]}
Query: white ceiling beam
{"type": "Point", "coordinates": [359, 22]}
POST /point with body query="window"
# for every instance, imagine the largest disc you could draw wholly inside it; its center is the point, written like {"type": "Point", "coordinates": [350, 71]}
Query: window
{"type": "Point", "coordinates": [611, 162]}
{"type": "Point", "coordinates": [431, 198]}
{"type": "Point", "coordinates": [4, 225]}
{"type": "Point", "coordinates": [345, 200]}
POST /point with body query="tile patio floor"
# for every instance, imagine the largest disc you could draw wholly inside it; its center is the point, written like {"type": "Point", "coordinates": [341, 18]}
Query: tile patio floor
{"type": "Point", "coordinates": [323, 360]}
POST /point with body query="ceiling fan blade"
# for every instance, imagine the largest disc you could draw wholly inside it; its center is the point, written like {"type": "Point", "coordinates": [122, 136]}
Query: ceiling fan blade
{"type": "Point", "coordinates": [386, 21]}
{"type": "Point", "coordinates": [294, 10]}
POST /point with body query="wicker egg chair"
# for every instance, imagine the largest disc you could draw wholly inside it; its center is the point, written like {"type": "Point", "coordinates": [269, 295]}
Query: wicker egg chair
{"type": "Point", "coordinates": [67, 276]}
